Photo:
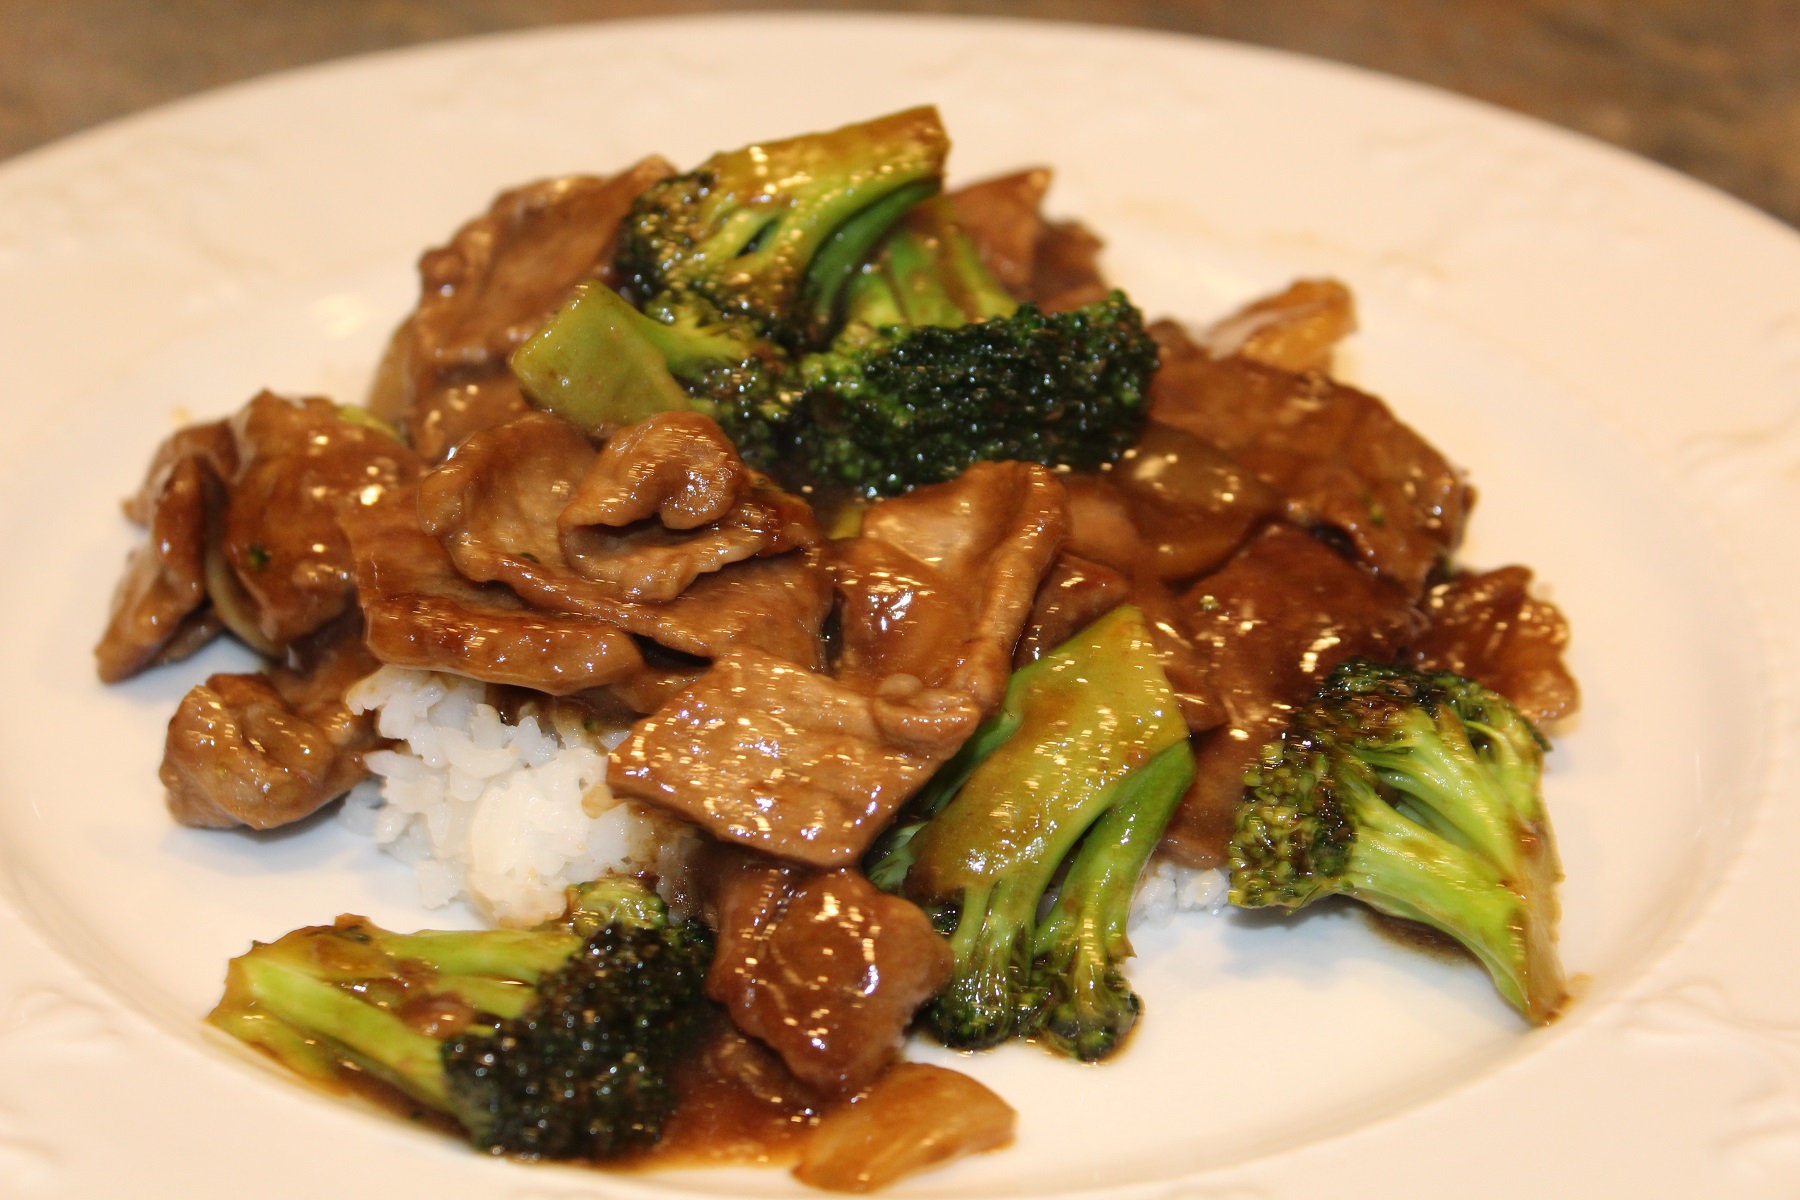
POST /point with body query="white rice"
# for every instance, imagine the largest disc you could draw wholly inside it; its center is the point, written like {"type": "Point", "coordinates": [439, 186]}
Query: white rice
{"type": "Point", "coordinates": [1167, 889]}
{"type": "Point", "coordinates": [505, 815]}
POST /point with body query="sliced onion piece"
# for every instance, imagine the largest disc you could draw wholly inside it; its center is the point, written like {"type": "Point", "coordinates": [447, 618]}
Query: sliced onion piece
{"type": "Point", "coordinates": [914, 1117]}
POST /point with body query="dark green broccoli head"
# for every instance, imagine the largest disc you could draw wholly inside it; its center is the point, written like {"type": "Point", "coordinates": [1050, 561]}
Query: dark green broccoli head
{"type": "Point", "coordinates": [586, 1072]}
{"type": "Point", "coordinates": [554, 1042]}
{"type": "Point", "coordinates": [769, 234]}
{"type": "Point", "coordinates": [911, 406]}
{"type": "Point", "coordinates": [1417, 794]}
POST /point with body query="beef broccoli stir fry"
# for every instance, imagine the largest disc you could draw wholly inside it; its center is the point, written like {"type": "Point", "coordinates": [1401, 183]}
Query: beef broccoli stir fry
{"type": "Point", "coordinates": [911, 593]}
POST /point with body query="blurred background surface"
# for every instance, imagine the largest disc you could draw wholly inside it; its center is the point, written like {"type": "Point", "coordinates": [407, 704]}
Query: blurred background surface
{"type": "Point", "coordinates": [1710, 87]}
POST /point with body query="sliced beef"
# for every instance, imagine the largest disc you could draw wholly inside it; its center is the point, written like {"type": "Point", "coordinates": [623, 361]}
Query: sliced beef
{"type": "Point", "coordinates": [669, 500]}
{"type": "Point", "coordinates": [299, 464]}
{"type": "Point", "coordinates": [940, 582]}
{"type": "Point", "coordinates": [159, 608]}
{"type": "Point", "coordinates": [1053, 264]}
{"type": "Point", "coordinates": [1075, 593]}
{"type": "Point", "coordinates": [1487, 626]}
{"type": "Point", "coordinates": [1191, 503]}
{"type": "Point", "coordinates": [160, 603]}
{"type": "Point", "coordinates": [768, 754]}
{"type": "Point", "coordinates": [1295, 329]}
{"type": "Point", "coordinates": [421, 612]}
{"type": "Point", "coordinates": [265, 750]}
{"type": "Point", "coordinates": [489, 290]}
{"type": "Point", "coordinates": [497, 508]}
{"type": "Point", "coordinates": [1337, 455]}
{"type": "Point", "coordinates": [1272, 624]}
{"type": "Point", "coordinates": [822, 967]}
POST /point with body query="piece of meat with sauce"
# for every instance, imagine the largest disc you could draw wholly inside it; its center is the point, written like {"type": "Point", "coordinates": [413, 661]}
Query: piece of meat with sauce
{"type": "Point", "coordinates": [821, 966]}
{"type": "Point", "coordinates": [421, 612]}
{"type": "Point", "coordinates": [1272, 624]}
{"type": "Point", "coordinates": [1075, 593]}
{"type": "Point", "coordinates": [669, 500]}
{"type": "Point", "coordinates": [489, 289]}
{"type": "Point", "coordinates": [1191, 503]}
{"type": "Point", "coordinates": [268, 749]}
{"type": "Point", "coordinates": [1488, 627]}
{"type": "Point", "coordinates": [159, 605]}
{"type": "Point", "coordinates": [159, 610]}
{"type": "Point", "coordinates": [299, 463]}
{"type": "Point", "coordinates": [1053, 264]}
{"type": "Point", "coordinates": [497, 508]}
{"type": "Point", "coordinates": [1337, 455]}
{"type": "Point", "coordinates": [1295, 329]}
{"type": "Point", "coordinates": [767, 754]}
{"type": "Point", "coordinates": [940, 582]}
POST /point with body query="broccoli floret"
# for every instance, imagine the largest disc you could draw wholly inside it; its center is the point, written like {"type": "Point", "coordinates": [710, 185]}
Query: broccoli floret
{"type": "Point", "coordinates": [557, 1042]}
{"type": "Point", "coordinates": [1089, 741]}
{"type": "Point", "coordinates": [771, 233]}
{"type": "Point", "coordinates": [838, 324]}
{"type": "Point", "coordinates": [602, 365]}
{"type": "Point", "coordinates": [1416, 793]}
{"type": "Point", "coordinates": [896, 406]}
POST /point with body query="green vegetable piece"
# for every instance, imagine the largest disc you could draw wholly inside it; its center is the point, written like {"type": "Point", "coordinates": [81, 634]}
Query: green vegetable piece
{"type": "Point", "coordinates": [980, 852]}
{"type": "Point", "coordinates": [1416, 793]}
{"type": "Point", "coordinates": [598, 364]}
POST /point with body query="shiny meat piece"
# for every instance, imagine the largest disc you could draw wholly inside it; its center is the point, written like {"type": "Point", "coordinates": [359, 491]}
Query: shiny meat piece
{"type": "Point", "coordinates": [1053, 264]}
{"type": "Point", "coordinates": [915, 1117]}
{"type": "Point", "coordinates": [1073, 595]}
{"type": "Point", "coordinates": [299, 464]}
{"type": "Point", "coordinates": [496, 507]}
{"type": "Point", "coordinates": [420, 612]}
{"type": "Point", "coordinates": [1488, 627]}
{"type": "Point", "coordinates": [1337, 455]}
{"type": "Point", "coordinates": [487, 291]}
{"type": "Point", "coordinates": [211, 445]}
{"type": "Point", "coordinates": [1066, 274]}
{"type": "Point", "coordinates": [674, 474]}
{"type": "Point", "coordinates": [1103, 529]}
{"type": "Point", "coordinates": [1003, 220]}
{"type": "Point", "coordinates": [1295, 329]}
{"type": "Point", "coordinates": [770, 755]}
{"type": "Point", "coordinates": [941, 580]}
{"type": "Point", "coordinates": [161, 598]}
{"type": "Point", "coordinates": [266, 750]}
{"type": "Point", "coordinates": [678, 467]}
{"type": "Point", "coordinates": [822, 967]}
{"type": "Point", "coordinates": [1192, 503]}
{"type": "Point", "coordinates": [1272, 624]}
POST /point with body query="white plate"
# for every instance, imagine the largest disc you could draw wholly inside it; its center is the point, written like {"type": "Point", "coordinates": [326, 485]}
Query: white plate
{"type": "Point", "coordinates": [1612, 351]}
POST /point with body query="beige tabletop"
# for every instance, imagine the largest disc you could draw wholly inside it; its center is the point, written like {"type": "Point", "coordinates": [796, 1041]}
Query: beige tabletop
{"type": "Point", "coordinates": [1710, 87]}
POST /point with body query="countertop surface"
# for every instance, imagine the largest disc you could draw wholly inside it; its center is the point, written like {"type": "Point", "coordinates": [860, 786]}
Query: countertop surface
{"type": "Point", "coordinates": [1710, 87]}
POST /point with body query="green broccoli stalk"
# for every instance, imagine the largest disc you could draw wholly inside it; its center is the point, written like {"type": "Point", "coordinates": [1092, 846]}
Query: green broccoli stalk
{"type": "Point", "coordinates": [556, 1042]}
{"type": "Point", "coordinates": [601, 365]}
{"type": "Point", "coordinates": [771, 233]}
{"type": "Point", "coordinates": [1417, 794]}
{"type": "Point", "coordinates": [1089, 741]}
{"type": "Point", "coordinates": [1081, 944]}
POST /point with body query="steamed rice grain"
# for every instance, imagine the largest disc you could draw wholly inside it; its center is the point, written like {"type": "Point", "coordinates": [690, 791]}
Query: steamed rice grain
{"type": "Point", "coordinates": [506, 815]}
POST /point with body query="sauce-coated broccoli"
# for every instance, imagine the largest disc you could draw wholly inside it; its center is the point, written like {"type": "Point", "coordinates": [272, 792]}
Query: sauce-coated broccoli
{"type": "Point", "coordinates": [556, 1042]}
{"type": "Point", "coordinates": [1417, 794]}
{"type": "Point", "coordinates": [1083, 765]}
{"type": "Point", "coordinates": [837, 323]}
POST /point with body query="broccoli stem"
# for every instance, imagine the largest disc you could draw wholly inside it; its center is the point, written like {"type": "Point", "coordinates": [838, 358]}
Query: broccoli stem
{"type": "Point", "coordinates": [1082, 942]}
{"type": "Point", "coordinates": [1078, 727]}
{"type": "Point", "coordinates": [381, 1042]}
